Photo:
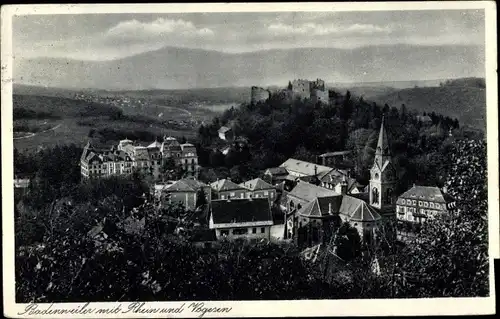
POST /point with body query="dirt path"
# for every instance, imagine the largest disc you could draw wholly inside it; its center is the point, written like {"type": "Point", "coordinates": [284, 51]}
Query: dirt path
{"type": "Point", "coordinates": [35, 134]}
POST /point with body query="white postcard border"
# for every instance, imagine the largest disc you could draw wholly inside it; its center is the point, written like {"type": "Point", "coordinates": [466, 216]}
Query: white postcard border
{"type": "Point", "coordinates": [402, 307]}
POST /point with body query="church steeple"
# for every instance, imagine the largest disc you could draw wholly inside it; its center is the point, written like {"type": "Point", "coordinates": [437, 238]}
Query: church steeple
{"type": "Point", "coordinates": [383, 174]}
{"type": "Point", "coordinates": [383, 151]}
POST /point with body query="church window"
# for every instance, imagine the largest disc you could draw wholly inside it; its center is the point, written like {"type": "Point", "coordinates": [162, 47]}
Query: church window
{"type": "Point", "coordinates": [375, 196]}
{"type": "Point", "coordinates": [376, 176]}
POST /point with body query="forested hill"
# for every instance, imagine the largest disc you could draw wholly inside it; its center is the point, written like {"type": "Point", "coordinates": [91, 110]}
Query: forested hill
{"type": "Point", "coordinates": [463, 98]}
{"type": "Point", "coordinates": [277, 131]}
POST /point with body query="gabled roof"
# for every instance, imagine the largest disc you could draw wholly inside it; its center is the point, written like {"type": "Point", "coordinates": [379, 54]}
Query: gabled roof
{"type": "Point", "coordinates": [321, 207]}
{"type": "Point", "coordinates": [224, 129]}
{"type": "Point", "coordinates": [155, 144]}
{"type": "Point", "coordinates": [308, 192]}
{"type": "Point", "coordinates": [358, 210]}
{"type": "Point", "coordinates": [276, 171]}
{"type": "Point", "coordinates": [427, 193]}
{"type": "Point", "coordinates": [195, 184]}
{"type": "Point", "coordinates": [241, 211]}
{"type": "Point", "coordinates": [256, 184]}
{"type": "Point", "coordinates": [305, 168]}
{"type": "Point", "coordinates": [225, 185]}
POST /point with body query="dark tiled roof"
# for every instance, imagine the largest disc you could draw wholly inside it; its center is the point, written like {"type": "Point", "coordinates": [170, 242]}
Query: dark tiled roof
{"type": "Point", "coordinates": [277, 171]}
{"type": "Point", "coordinates": [241, 211]}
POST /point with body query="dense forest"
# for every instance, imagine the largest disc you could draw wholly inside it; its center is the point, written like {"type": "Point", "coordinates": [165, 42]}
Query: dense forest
{"type": "Point", "coordinates": [276, 131]}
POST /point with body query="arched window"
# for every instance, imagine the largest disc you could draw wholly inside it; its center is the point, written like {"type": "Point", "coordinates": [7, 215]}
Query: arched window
{"type": "Point", "coordinates": [375, 196]}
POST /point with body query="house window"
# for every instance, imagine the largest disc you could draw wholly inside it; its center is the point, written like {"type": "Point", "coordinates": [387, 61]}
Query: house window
{"type": "Point", "coordinates": [222, 196]}
{"type": "Point", "coordinates": [426, 204]}
{"type": "Point", "coordinates": [262, 230]}
{"type": "Point", "coordinates": [438, 206]}
{"type": "Point", "coordinates": [266, 193]}
{"type": "Point", "coordinates": [224, 232]}
{"type": "Point", "coordinates": [242, 195]}
{"type": "Point", "coordinates": [272, 194]}
{"type": "Point", "coordinates": [432, 205]}
{"type": "Point", "coordinates": [231, 194]}
{"type": "Point", "coordinates": [240, 231]}
{"type": "Point", "coordinates": [420, 203]}
{"type": "Point", "coordinates": [414, 202]}
{"type": "Point", "coordinates": [403, 201]}
{"type": "Point", "coordinates": [254, 230]}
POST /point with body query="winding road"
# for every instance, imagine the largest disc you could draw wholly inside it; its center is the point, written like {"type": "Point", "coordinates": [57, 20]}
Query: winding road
{"type": "Point", "coordinates": [35, 134]}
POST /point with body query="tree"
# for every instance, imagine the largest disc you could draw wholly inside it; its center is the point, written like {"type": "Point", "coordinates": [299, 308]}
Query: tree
{"type": "Point", "coordinates": [201, 198]}
{"type": "Point", "coordinates": [348, 242]}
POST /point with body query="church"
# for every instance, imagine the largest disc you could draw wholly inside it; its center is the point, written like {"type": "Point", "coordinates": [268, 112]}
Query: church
{"type": "Point", "coordinates": [313, 213]}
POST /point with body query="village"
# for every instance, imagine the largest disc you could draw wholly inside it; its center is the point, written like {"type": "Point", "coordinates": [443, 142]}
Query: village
{"type": "Point", "coordinates": [300, 202]}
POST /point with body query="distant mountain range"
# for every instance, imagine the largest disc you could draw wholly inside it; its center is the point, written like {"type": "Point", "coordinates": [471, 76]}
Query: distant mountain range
{"type": "Point", "coordinates": [181, 68]}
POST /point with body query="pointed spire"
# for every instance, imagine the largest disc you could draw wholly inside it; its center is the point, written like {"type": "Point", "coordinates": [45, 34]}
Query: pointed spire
{"type": "Point", "coordinates": [383, 142]}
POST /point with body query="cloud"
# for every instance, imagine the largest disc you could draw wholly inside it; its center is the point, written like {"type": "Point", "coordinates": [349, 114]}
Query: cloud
{"type": "Point", "coordinates": [281, 29]}
{"type": "Point", "coordinates": [158, 28]}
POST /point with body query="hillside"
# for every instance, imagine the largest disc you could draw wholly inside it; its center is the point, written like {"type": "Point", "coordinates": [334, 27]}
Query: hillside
{"type": "Point", "coordinates": [181, 68]}
{"type": "Point", "coordinates": [467, 103]}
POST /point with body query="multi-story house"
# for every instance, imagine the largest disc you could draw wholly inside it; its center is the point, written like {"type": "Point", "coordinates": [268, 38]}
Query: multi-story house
{"type": "Point", "coordinates": [248, 218]}
{"type": "Point", "coordinates": [184, 191]}
{"type": "Point", "coordinates": [127, 157]}
{"type": "Point", "coordinates": [422, 203]}
{"type": "Point", "coordinates": [227, 189]}
{"type": "Point", "coordinates": [258, 188]}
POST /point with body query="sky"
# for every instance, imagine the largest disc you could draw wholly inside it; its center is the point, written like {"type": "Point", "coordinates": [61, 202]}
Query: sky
{"type": "Point", "coordinates": [113, 36]}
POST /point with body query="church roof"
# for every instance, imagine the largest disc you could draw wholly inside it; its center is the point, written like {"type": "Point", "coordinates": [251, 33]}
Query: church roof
{"type": "Point", "coordinates": [308, 192]}
{"type": "Point", "coordinates": [357, 209]}
{"type": "Point", "coordinates": [321, 207]}
{"type": "Point", "coordinates": [256, 184]}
